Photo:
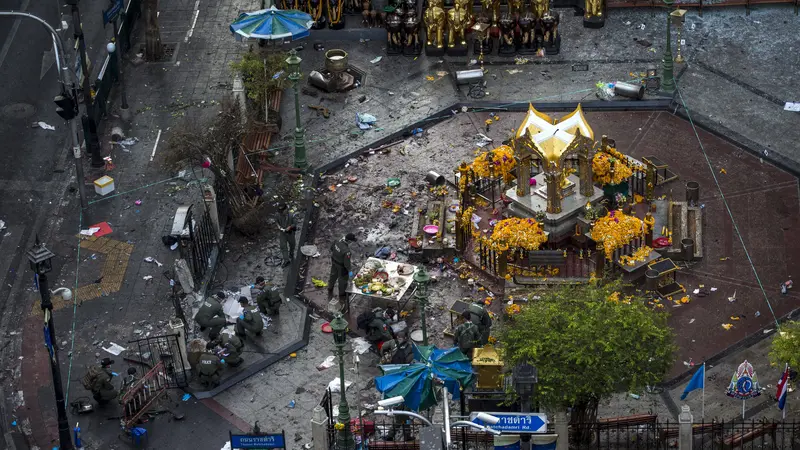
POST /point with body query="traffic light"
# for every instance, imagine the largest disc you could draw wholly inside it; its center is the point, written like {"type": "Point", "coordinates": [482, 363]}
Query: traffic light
{"type": "Point", "coordinates": [67, 108]}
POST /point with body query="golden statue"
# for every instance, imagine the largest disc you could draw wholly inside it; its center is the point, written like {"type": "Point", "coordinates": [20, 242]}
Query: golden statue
{"type": "Point", "coordinates": [593, 8]}
{"type": "Point", "coordinates": [540, 7]}
{"type": "Point", "coordinates": [515, 8]}
{"type": "Point", "coordinates": [495, 12]}
{"type": "Point", "coordinates": [466, 6]}
{"type": "Point", "coordinates": [456, 22]}
{"type": "Point", "coordinates": [435, 19]}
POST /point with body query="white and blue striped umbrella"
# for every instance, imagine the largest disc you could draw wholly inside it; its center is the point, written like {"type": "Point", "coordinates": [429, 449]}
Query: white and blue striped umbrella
{"type": "Point", "coordinates": [272, 23]}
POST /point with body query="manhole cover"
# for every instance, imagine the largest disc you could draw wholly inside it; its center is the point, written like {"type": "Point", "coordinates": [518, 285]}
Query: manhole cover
{"type": "Point", "coordinates": [18, 110]}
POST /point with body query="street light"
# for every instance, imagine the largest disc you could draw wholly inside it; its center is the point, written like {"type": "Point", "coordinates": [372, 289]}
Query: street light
{"type": "Point", "coordinates": [668, 84]}
{"type": "Point", "coordinates": [421, 298]}
{"type": "Point", "coordinates": [40, 258]}
{"type": "Point", "coordinates": [344, 438]}
{"type": "Point", "coordinates": [293, 63]}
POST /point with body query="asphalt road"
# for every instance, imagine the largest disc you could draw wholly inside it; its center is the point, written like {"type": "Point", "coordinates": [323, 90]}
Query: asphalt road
{"type": "Point", "coordinates": [34, 165]}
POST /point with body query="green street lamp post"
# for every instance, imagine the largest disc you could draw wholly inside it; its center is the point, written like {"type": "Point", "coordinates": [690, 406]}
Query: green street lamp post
{"type": "Point", "coordinates": [293, 62]}
{"type": "Point", "coordinates": [421, 298]}
{"type": "Point", "coordinates": [668, 83]}
{"type": "Point", "coordinates": [344, 438]}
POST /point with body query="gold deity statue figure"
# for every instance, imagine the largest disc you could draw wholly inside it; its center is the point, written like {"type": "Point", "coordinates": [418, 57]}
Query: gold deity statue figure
{"type": "Point", "coordinates": [540, 7]}
{"type": "Point", "coordinates": [515, 8]}
{"type": "Point", "coordinates": [466, 6]}
{"type": "Point", "coordinates": [435, 19]}
{"type": "Point", "coordinates": [593, 8]}
{"type": "Point", "coordinates": [456, 22]}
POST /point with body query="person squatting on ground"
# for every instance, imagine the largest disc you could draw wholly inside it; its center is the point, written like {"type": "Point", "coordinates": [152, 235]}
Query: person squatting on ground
{"type": "Point", "coordinates": [211, 315]}
{"type": "Point", "coordinates": [268, 298]}
{"type": "Point", "coordinates": [209, 368]}
{"type": "Point", "coordinates": [98, 381]}
{"type": "Point", "coordinates": [249, 320]}
{"type": "Point", "coordinates": [230, 348]}
{"type": "Point", "coordinates": [341, 266]}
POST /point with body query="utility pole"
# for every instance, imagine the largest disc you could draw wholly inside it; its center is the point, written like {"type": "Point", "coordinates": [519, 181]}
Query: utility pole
{"type": "Point", "coordinates": [67, 106]}
{"type": "Point", "coordinates": [40, 259]}
{"type": "Point", "coordinates": [90, 127]}
{"type": "Point", "coordinates": [116, 49]}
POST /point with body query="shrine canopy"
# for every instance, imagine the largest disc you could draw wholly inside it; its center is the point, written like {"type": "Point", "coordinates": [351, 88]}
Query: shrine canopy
{"type": "Point", "coordinates": [553, 137]}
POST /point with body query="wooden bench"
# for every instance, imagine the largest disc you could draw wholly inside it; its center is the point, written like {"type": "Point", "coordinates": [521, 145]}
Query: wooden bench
{"type": "Point", "coordinates": [739, 439]}
{"type": "Point", "coordinates": [697, 430]}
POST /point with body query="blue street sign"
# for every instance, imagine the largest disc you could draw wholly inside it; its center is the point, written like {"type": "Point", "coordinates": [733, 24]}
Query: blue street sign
{"type": "Point", "coordinates": [267, 441]}
{"type": "Point", "coordinates": [516, 422]}
{"type": "Point", "coordinates": [111, 14]}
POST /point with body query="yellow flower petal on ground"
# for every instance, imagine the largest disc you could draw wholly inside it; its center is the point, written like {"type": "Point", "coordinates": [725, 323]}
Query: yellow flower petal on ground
{"type": "Point", "coordinates": [727, 326]}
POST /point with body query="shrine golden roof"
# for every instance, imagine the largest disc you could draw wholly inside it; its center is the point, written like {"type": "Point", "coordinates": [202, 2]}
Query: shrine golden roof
{"type": "Point", "coordinates": [553, 136]}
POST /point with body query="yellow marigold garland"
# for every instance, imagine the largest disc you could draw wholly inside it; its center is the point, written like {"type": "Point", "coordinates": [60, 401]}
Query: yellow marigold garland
{"type": "Point", "coordinates": [639, 255]}
{"type": "Point", "coordinates": [502, 158]}
{"type": "Point", "coordinates": [517, 233]}
{"type": "Point", "coordinates": [601, 166]}
{"type": "Point", "coordinates": [616, 230]}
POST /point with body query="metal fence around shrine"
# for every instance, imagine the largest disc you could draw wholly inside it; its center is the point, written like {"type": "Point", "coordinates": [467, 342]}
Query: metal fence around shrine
{"type": "Point", "coordinates": [572, 263]}
{"type": "Point", "coordinates": [387, 434]}
{"type": "Point", "coordinates": [164, 350]}
{"type": "Point", "coordinates": [196, 248]}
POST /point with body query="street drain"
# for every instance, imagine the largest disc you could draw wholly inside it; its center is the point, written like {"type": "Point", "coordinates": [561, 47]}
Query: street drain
{"type": "Point", "coordinates": [18, 111]}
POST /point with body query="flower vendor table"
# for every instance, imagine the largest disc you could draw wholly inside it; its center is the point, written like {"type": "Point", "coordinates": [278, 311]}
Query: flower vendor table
{"type": "Point", "coordinates": [398, 278]}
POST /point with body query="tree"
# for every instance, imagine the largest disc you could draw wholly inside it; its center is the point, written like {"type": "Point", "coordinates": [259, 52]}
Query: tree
{"type": "Point", "coordinates": [154, 50]}
{"type": "Point", "coordinates": [588, 341]}
{"type": "Point", "coordinates": [786, 346]}
{"type": "Point", "coordinates": [261, 74]}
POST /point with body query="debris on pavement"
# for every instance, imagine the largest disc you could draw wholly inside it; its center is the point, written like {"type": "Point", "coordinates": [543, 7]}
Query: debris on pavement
{"type": "Point", "coordinates": [361, 346]}
{"type": "Point", "coordinates": [114, 349]}
{"type": "Point", "coordinates": [186, 397]}
{"type": "Point", "coordinates": [43, 126]}
{"type": "Point", "coordinates": [376, 60]}
{"type": "Point", "coordinates": [90, 231]}
{"type": "Point", "coordinates": [792, 106]}
{"type": "Point", "coordinates": [732, 298]}
{"type": "Point", "coordinates": [150, 259]}
{"type": "Point", "coordinates": [310, 250]}
{"type": "Point", "coordinates": [335, 385]}
{"type": "Point", "coordinates": [327, 363]}
{"type": "Point", "coordinates": [365, 120]}
{"type": "Point", "coordinates": [727, 326]}
{"type": "Point", "coordinates": [318, 283]}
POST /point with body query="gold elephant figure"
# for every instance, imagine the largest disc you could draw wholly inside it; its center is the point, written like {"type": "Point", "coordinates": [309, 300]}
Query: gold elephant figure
{"type": "Point", "coordinates": [456, 22]}
{"type": "Point", "coordinates": [466, 6]}
{"type": "Point", "coordinates": [540, 7]}
{"type": "Point", "coordinates": [435, 19]}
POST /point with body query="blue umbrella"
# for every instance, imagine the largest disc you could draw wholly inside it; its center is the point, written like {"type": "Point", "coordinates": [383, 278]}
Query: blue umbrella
{"type": "Point", "coordinates": [414, 382]}
{"type": "Point", "coordinates": [272, 23]}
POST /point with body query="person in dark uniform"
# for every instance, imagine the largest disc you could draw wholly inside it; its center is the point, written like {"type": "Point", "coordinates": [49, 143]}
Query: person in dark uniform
{"type": "Point", "coordinates": [341, 267]}
{"type": "Point", "coordinates": [286, 226]}
{"type": "Point", "coordinates": [250, 320]}
{"type": "Point", "coordinates": [481, 318]}
{"type": "Point", "coordinates": [467, 335]}
{"type": "Point", "coordinates": [269, 300]}
{"type": "Point", "coordinates": [231, 347]}
{"type": "Point", "coordinates": [211, 315]}
{"type": "Point", "coordinates": [98, 380]}
{"type": "Point", "coordinates": [209, 368]}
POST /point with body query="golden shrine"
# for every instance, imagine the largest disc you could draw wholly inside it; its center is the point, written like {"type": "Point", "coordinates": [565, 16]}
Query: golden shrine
{"type": "Point", "coordinates": [489, 367]}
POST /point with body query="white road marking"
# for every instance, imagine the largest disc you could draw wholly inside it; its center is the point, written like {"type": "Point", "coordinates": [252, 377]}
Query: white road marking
{"type": "Point", "coordinates": [14, 29]}
{"type": "Point", "coordinates": [194, 21]}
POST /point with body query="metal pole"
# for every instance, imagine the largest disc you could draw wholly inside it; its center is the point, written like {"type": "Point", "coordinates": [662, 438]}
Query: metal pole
{"type": "Point", "coordinates": [58, 48]}
{"type": "Point", "coordinates": [64, 435]}
{"type": "Point", "coordinates": [345, 436]}
{"type": "Point", "coordinates": [299, 134]}
{"type": "Point", "coordinates": [119, 66]}
{"type": "Point", "coordinates": [668, 84]}
{"type": "Point", "coordinates": [90, 136]}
